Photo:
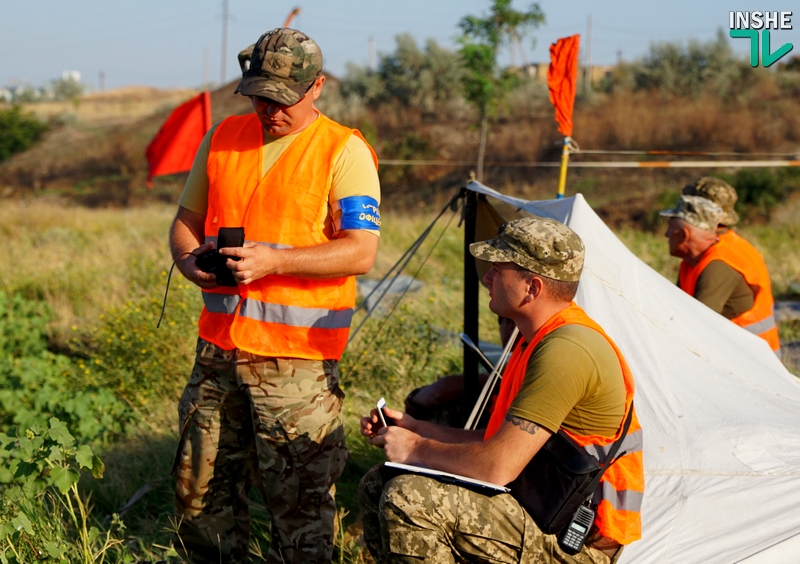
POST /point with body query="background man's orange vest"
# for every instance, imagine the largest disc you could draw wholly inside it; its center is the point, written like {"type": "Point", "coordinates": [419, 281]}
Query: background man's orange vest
{"type": "Point", "coordinates": [281, 316]}
{"type": "Point", "coordinates": [622, 485]}
{"type": "Point", "coordinates": [740, 255]}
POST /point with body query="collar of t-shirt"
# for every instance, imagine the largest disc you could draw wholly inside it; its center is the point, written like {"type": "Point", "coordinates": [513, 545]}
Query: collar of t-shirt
{"type": "Point", "coordinates": [274, 146]}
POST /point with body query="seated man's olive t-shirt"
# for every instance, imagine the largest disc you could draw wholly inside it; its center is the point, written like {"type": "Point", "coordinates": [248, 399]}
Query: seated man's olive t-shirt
{"type": "Point", "coordinates": [724, 289]}
{"type": "Point", "coordinates": [573, 381]}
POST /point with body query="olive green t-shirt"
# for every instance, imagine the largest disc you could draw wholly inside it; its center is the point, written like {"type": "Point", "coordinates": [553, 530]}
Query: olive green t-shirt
{"type": "Point", "coordinates": [724, 289]}
{"type": "Point", "coordinates": [574, 380]}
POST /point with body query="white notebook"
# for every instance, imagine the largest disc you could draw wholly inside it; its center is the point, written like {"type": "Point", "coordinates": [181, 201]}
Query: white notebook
{"type": "Point", "coordinates": [447, 477]}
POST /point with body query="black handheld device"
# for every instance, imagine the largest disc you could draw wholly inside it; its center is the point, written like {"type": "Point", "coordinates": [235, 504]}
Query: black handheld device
{"type": "Point", "coordinates": [215, 263]}
{"type": "Point", "coordinates": [574, 534]}
{"type": "Point", "coordinates": [385, 419]}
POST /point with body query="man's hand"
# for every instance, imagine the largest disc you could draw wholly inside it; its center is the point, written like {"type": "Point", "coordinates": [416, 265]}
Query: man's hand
{"type": "Point", "coordinates": [400, 445]}
{"type": "Point", "coordinates": [371, 425]}
{"type": "Point", "coordinates": [187, 264]}
{"type": "Point", "coordinates": [256, 261]}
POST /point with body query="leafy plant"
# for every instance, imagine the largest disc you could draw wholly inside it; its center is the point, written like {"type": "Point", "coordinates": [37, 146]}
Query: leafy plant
{"type": "Point", "coordinates": [43, 516]}
{"type": "Point", "coordinates": [18, 131]}
{"type": "Point", "coordinates": [36, 384]}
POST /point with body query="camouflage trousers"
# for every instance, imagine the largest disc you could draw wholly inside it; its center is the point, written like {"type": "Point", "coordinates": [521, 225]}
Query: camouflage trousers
{"type": "Point", "coordinates": [270, 422]}
{"type": "Point", "coordinates": [413, 518]}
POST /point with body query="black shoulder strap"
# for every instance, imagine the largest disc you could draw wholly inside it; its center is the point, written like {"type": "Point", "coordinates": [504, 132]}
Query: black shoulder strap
{"type": "Point", "coordinates": [611, 458]}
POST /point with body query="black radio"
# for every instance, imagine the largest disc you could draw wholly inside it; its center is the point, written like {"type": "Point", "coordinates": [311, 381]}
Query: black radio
{"type": "Point", "coordinates": [574, 534]}
{"type": "Point", "coordinates": [215, 263]}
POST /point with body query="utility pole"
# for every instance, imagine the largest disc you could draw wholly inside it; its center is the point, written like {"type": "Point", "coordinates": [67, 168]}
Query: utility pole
{"type": "Point", "coordinates": [373, 65]}
{"type": "Point", "coordinates": [224, 40]}
{"type": "Point", "coordinates": [588, 82]}
{"type": "Point", "coordinates": [102, 81]}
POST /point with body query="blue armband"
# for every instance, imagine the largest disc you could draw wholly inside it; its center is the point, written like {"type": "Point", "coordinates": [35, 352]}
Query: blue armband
{"type": "Point", "coordinates": [360, 212]}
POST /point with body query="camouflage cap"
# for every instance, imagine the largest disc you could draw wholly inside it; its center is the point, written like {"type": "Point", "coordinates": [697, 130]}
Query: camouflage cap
{"type": "Point", "coordinates": [694, 210]}
{"type": "Point", "coordinates": [283, 65]}
{"type": "Point", "coordinates": [539, 244]}
{"type": "Point", "coordinates": [719, 192]}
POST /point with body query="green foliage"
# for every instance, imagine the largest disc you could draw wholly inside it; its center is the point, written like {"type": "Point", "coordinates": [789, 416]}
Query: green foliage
{"type": "Point", "coordinates": [133, 358]}
{"type": "Point", "coordinates": [687, 70]}
{"type": "Point", "coordinates": [18, 131]}
{"type": "Point", "coordinates": [43, 517]}
{"type": "Point", "coordinates": [407, 351]}
{"type": "Point", "coordinates": [413, 77]}
{"type": "Point", "coordinates": [67, 89]}
{"type": "Point", "coordinates": [485, 84]}
{"type": "Point", "coordinates": [761, 190]}
{"type": "Point", "coordinates": [36, 384]}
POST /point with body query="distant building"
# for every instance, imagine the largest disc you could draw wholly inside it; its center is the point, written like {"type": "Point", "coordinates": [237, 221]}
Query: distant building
{"type": "Point", "coordinates": [6, 95]}
{"type": "Point", "coordinates": [72, 75]}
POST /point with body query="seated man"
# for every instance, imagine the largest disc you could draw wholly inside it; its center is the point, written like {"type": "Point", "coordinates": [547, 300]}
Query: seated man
{"type": "Point", "coordinates": [564, 374]}
{"type": "Point", "coordinates": [719, 268]}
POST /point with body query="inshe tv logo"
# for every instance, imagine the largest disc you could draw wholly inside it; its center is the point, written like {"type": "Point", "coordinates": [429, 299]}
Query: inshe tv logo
{"type": "Point", "coordinates": [748, 24]}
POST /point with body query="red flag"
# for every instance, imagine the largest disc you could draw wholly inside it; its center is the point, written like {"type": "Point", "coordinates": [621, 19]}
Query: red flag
{"type": "Point", "coordinates": [172, 149]}
{"type": "Point", "coordinates": [562, 78]}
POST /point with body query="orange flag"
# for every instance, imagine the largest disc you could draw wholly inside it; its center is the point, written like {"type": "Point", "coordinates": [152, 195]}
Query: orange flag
{"type": "Point", "coordinates": [172, 149]}
{"type": "Point", "coordinates": [562, 78]}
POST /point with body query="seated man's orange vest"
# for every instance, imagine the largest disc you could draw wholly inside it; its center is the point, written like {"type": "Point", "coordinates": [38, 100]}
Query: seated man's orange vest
{"type": "Point", "coordinates": [740, 255]}
{"type": "Point", "coordinates": [281, 316]}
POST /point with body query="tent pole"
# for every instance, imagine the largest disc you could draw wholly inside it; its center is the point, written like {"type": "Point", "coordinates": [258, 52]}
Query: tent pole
{"type": "Point", "coordinates": [471, 285]}
{"type": "Point", "coordinates": [562, 177]}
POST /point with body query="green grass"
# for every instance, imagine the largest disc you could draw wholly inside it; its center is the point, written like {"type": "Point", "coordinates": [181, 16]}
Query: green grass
{"type": "Point", "coordinates": [102, 275]}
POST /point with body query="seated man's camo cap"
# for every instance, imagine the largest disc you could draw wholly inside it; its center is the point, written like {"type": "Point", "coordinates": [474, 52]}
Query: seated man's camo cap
{"type": "Point", "coordinates": [694, 210]}
{"type": "Point", "coordinates": [539, 244]}
{"type": "Point", "coordinates": [284, 63]}
{"type": "Point", "coordinates": [719, 192]}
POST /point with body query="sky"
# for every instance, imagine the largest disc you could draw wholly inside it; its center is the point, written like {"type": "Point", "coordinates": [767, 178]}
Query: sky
{"type": "Point", "coordinates": [178, 43]}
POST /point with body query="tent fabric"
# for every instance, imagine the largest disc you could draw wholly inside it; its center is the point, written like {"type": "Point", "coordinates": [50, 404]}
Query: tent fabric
{"type": "Point", "coordinates": [719, 412]}
{"type": "Point", "coordinates": [173, 148]}
{"type": "Point", "coordinates": [562, 80]}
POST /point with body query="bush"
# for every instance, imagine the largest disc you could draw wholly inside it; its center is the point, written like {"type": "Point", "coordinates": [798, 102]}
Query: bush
{"type": "Point", "coordinates": [18, 131]}
{"type": "Point", "coordinates": [36, 384]}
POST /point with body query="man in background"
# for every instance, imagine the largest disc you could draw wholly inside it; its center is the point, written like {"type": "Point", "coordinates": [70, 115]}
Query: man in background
{"type": "Point", "coordinates": [719, 268]}
{"type": "Point", "coordinates": [263, 403]}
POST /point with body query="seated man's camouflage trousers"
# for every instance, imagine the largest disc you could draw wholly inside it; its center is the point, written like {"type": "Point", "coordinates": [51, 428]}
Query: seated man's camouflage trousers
{"type": "Point", "coordinates": [273, 422]}
{"type": "Point", "coordinates": [413, 518]}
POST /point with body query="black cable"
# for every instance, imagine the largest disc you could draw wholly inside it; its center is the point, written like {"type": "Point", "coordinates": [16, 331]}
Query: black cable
{"type": "Point", "coordinates": [166, 290]}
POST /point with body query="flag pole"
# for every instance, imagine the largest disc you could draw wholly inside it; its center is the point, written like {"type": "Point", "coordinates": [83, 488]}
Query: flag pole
{"type": "Point", "coordinates": [562, 177]}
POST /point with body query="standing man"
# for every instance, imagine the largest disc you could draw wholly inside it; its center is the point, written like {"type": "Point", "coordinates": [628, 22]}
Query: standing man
{"type": "Point", "coordinates": [566, 374]}
{"type": "Point", "coordinates": [719, 268]}
{"type": "Point", "coordinates": [263, 402]}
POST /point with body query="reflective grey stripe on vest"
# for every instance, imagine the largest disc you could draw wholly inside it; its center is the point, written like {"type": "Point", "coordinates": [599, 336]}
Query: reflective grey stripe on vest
{"type": "Point", "coordinates": [761, 326]}
{"type": "Point", "coordinates": [623, 500]}
{"type": "Point", "coordinates": [631, 443]}
{"type": "Point", "coordinates": [270, 245]}
{"type": "Point", "coordinates": [296, 316]}
{"type": "Point", "coordinates": [220, 303]}
{"type": "Point", "coordinates": [779, 354]}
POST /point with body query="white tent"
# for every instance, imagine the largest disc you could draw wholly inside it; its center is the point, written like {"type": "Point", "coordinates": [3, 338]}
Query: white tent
{"type": "Point", "coordinates": [720, 413]}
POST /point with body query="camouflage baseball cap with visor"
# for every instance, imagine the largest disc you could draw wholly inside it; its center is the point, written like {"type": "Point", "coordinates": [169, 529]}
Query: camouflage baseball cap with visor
{"type": "Point", "coordinates": [284, 63]}
{"type": "Point", "coordinates": [539, 244]}
{"type": "Point", "coordinates": [719, 192]}
{"type": "Point", "coordinates": [697, 211]}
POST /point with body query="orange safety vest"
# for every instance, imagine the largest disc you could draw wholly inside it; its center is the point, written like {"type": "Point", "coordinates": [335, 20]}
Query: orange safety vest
{"type": "Point", "coordinates": [279, 316]}
{"type": "Point", "coordinates": [740, 255]}
{"type": "Point", "coordinates": [619, 497]}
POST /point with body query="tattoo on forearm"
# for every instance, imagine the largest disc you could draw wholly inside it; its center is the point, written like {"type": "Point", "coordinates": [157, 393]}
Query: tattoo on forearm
{"type": "Point", "coordinates": [524, 424]}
